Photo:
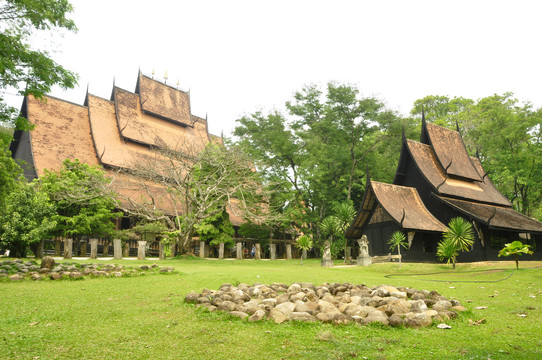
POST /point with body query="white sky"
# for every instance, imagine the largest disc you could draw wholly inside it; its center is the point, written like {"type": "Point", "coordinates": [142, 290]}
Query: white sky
{"type": "Point", "coordinates": [237, 57]}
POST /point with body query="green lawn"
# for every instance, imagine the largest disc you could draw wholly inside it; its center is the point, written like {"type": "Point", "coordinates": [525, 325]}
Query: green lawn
{"type": "Point", "coordinates": [145, 317]}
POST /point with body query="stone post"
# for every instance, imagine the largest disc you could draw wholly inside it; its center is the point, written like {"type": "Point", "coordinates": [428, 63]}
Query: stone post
{"type": "Point", "coordinates": [141, 250]}
{"type": "Point", "coordinates": [83, 248]}
{"type": "Point", "coordinates": [258, 255]}
{"type": "Point", "coordinates": [272, 251]}
{"type": "Point", "coordinates": [239, 251]}
{"type": "Point", "coordinates": [326, 257]}
{"type": "Point", "coordinates": [68, 243]}
{"type": "Point", "coordinates": [304, 254]}
{"type": "Point", "coordinates": [202, 249]}
{"type": "Point", "coordinates": [288, 251]}
{"type": "Point", "coordinates": [93, 248]}
{"type": "Point", "coordinates": [221, 251]}
{"type": "Point", "coordinates": [58, 244]}
{"type": "Point", "coordinates": [173, 249]}
{"type": "Point", "coordinates": [348, 257]}
{"type": "Point", "coordinates": [126, 250]}
{"type": "Point", "coordinates": [117, 249]}
{"type": "Point", "coordinates": [161, 250]}
{"type": "Point", "coordinates": [105, 249]}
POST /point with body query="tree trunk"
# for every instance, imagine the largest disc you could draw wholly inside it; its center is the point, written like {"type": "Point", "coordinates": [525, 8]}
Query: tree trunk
{"type": "Point", "coordinates": [399, 252]}
{"type": "Point", "coordinates": [517, 262]}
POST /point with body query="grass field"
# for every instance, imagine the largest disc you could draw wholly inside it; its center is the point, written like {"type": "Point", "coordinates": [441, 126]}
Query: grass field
{"type": "Point", "coordinates": [145, 317]}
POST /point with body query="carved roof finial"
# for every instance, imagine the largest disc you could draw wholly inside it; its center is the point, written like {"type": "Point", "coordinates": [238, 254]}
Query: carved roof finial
{"type": "Point", "coordinates": [165, 77]}
{"type": "Point", "coordinates": [152, 73]}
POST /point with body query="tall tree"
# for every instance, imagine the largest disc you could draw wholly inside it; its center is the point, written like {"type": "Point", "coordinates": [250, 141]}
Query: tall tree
{"type": "Point", "coordinates": [25, 69]}
{"type": "Point", "coordinates": [320, 150]}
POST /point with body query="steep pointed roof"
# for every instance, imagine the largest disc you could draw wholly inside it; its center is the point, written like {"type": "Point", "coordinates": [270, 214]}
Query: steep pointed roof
{"type": "Point", "coordinates": [401, 203]}
{"type": "Point", "coordinates": [450, 151]}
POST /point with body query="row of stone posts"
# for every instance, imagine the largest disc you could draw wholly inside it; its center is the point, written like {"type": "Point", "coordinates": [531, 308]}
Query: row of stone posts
{"type": "Point", "coordinates": [118, 251]}
{"type": "Point", "coordinates": [204, 251]}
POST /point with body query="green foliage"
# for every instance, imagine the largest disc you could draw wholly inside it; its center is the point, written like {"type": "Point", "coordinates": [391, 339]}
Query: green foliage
{"type": "Point", "coordinates": [304, 242]}
{"type": "Point", "coordinates": [83, 200]}
{"type": "Point", "coordinates": [24, 69]}
{"type": "Point", "coordinates": [396, 240]}
{"type": "Point", "coordinates": [216, 229]}
{"type": "Point", "coordinates": [447, 250]}
{"type": "Point", "coordinates": [515, 248]}
{"type": "Point", "coordinates": [254, 231]}
{"type": "Point", "coordinates": [460, 234]}
{"type": "Point", "coordinates": [9, 174]}
{"type": "Point", "coordinates": [319, 152]}
{"type": "Point", "coordinates": [26, 218]}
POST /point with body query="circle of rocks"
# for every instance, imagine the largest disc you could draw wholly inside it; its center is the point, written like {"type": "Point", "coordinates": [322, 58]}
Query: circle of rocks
{"type": "Point", "coordinates": [337, 303]}
{"type": "Point", "coordinates": [18, 270]}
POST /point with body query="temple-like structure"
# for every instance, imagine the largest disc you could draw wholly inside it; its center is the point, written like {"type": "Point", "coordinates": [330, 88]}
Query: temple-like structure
{"type": "Point", "coordinates": [114, 133]}
{"type": "Point", "coordinates": [436, 180]}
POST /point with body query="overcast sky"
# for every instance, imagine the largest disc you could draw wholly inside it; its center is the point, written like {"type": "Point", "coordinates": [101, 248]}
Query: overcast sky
{"type": "Point", "coordinates": [237, 57]}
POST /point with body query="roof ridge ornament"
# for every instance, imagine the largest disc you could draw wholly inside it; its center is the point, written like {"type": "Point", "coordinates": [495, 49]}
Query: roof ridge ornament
{"type": "Point", "coordinates": [492, 216]}
{"type": "Point", "coordinates": [445, 172]}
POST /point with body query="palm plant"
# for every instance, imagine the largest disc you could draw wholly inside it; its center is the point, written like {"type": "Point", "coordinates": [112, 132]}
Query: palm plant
{"type": "Point", "coordinates": [304, 242]}
{"type": "Point", "coordinates": [331, 227]}
{"type": "Point", "coordinates": [447, 250]}
{"type": "Point", "coordinates": [398, 239]}
{"type": "Point", "coordinates": [460, 233]}
{"type": "Point", "coordinates": [345, 214]}
{"type": "Point", "coordinates": [515, 248]}
{"type": "Point", "coordinates": [458, 237]}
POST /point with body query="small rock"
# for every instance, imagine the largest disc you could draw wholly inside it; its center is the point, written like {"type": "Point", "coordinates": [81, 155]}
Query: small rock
{"type": "Point", "coordinates": [443, 326]}
{"type": "Point", "coordinates": [257, 316]}
{"type": "Point", "coordinates": [55, 276]}
{"type": "Point", "coordinates": [239, 314]}
{"type": "Point", "coordinates": [15, 277]}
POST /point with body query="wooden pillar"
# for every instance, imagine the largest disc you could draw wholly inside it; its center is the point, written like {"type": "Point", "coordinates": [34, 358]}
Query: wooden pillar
{"type": "Point", "coordinates": [161, 250]}
{"type": "Point", "coordinates": [58, 245]}
{"type": "Point", "coordinates": [288, 251]}
{"type": "Point", "coordinates": [258, 255]}
{"type": "Point", "coordinates": [272, 251]}
{"type": "Point", "coordinates": [117, 249]}
{"type": "Point", "coordinates": [126, 249]}
{"type": "Point", "coordinates": [304, 254]}
{"type": "Point", "coordinates": [239, 251]}
{"type": "Point", "coordinates": [93, 248]}
{"type": "Point", "coordinates": [173, 249]}
{"type": "Point", "coordinates": [221, 251]}
{"type": "Point", "coordinates": [105, 249]}
{"type": "Point", "coordinates": [83, 248]}
{"type": "Point", "coordinates": [141, 250]}
{"type": "Point", "coordinates": [68, 243]}
{"type": "Point", "coordinates": [202, 249]}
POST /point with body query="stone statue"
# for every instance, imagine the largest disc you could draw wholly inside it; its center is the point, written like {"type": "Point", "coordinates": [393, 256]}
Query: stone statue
{"type": "Point", "coordinates": [327, 250]}
{"type": "Point", "coordinates": [364, 259]}
{"type": "Point", "coordinates": [363, 245]}
{"type": "Point", "coordinates": [326, 256]}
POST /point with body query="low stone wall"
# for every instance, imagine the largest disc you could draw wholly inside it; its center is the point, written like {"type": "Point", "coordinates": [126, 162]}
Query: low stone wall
{"type": "Point", "coordinates": [331, 303]}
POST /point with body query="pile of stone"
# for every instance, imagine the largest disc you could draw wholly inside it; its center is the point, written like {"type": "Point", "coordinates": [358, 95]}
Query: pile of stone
{"type": "Point", "coordinates": [17, 270]}
{"type": "Point", "coordinates": [330, 303]}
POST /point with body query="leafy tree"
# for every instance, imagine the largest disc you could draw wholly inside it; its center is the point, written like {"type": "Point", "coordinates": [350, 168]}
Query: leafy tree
{"type": "Point", "coordinates": [196, 186]}
{"type": "Point", "coordinates": [24, 69]}
{"type": "Point", "coordinates": [396, 240]}
{"type": "Point", "coordinates": [320, 150]}
{"type": "Point", "coordinates": [331, 227]}
{"type": "Point", "coordinates": [83, 198]}
{"type": "Point", "coordinates": [9, 174]}
{"type": "Point", "coordinates": [26, 219]}
{"type": "Point", "coordinates": [515, 248]}
{"type": "Point", "coordinates": [304, 242]}
{"type": "Point", "coordinates": [345, 213]}
{"type": "Point", "coordinates": [460, 234]}
{"type": "Point", "coordinates": [447, 250]}
{"type": "Point", "coordinates": [216, 229]}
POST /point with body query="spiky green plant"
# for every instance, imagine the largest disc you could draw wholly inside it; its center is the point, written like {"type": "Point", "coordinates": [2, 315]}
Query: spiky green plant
{"type": "Point", "coordinates": [515, 248]}
{"type": "Point", "coordinates": [396, 240]}
{"type": "Point", "coordinates": [304, 242]}
{"type": "Point", "coordinates": [460, 233]}
{"type": "Point", "coordinates": [446, 250]}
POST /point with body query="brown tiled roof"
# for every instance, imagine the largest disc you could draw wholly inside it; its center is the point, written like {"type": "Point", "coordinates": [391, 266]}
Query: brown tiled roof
{"type": "Point", "coordinates": [62, 132]}
{"type": "Point", "coordinates": [403, 204]}
{"type": "Point", "coordinates": [451, 152]}
{"type": "Point", "coordinates": [498, 217]}
{"type": "Point", "coordinates": [164, 101]}
{"type": "Point", "coordinates": [426, 160]}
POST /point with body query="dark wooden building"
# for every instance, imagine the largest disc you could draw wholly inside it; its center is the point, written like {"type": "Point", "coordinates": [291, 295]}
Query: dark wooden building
{"type": "Point", "coordinates": [436, 180]}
